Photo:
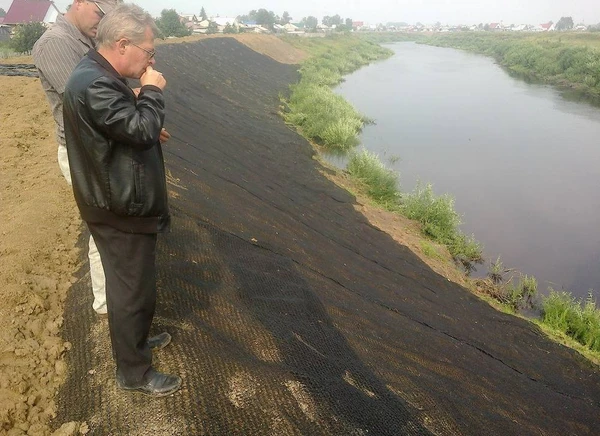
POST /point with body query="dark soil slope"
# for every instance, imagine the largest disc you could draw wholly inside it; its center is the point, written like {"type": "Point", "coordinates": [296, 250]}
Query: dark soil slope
{"type": "Point", "coordinates": [290, 313]}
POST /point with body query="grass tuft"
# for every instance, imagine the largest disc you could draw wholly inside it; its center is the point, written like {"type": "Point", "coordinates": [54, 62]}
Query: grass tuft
{"type": "Point", "coordinates": [440, 222]}
{"type": "Point", "coordinates": [381, 183]}
{"type": "Point", "coordinates": [577, 319]}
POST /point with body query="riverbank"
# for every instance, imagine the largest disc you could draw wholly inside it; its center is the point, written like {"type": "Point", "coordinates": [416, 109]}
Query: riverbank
{"type": "Point", "coordinates": [317, 112]}
{"type": "Point", "coordinates": [568, 60]}
{"type": "Point", "coordinates": [290, 311]}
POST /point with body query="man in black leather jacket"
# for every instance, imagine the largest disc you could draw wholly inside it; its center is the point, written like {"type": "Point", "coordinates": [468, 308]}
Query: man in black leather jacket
{"type": "Point", "coordinates": [118, 176]}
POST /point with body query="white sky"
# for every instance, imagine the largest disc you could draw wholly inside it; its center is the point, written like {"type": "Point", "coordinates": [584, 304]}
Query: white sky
{"type": "Point", "coordinates": [376, 11]}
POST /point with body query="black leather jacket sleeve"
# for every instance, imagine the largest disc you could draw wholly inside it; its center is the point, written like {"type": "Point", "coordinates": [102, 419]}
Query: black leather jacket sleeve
{"type": "Point", "coordinates": [115, 155]}
{"type": "Point", "coordinates": [138, 124]}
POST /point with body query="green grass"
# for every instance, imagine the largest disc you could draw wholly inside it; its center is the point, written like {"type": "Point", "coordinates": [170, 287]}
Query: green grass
{"type": "Point", "coordinates": [324, 117]}
{"type": "Point", "coordinates": [521, 295]}
{"type": "Point", "coordinates": [6, 51]}
{"type": "Point", "coordinates": [577, 319]}
{"type": "Point", "coordinates": [429, 250]}
{"type": "Point", "coordinates": [441, 222]}
{"type": "Point", "coordinates": [381, 183]}
{"type": "Point", "coordinates": [321, 115]}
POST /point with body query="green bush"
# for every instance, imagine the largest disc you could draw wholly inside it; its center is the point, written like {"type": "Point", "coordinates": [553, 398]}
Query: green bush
{"type": "Point", "coordinates": [322, 115]}
{"type": "Point", "coordinates": [380, 182]}
{"type": "Point", "coordinates": [521, 296]}
{"type": "Point", "coordinates": [440, 222]}
{"type": "Point", "coordinates": [169, 24]}
{"type": "Point", "coordinates": [436, 214]}
{"type": "Point", "coordinates": [577, 319]}
{"type": "Point", "coordinates": [26, 35]}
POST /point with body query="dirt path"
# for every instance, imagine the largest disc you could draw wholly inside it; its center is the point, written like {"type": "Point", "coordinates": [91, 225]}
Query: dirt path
{"type": "Point", "coordinates": [39, 227]}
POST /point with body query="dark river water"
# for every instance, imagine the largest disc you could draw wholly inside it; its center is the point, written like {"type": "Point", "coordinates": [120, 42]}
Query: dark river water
{"type": "Point", "coordinates": [521, 160]}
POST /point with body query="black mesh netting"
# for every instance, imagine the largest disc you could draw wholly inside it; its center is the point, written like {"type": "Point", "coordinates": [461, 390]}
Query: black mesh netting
{"type": "Point", "coordinates": [290, 313]}
{"type": "Point", "coordinates": [27, 70]}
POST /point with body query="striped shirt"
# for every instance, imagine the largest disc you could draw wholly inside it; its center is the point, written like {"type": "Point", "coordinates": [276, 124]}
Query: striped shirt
{"type": "Point", "coordinates": [56, 54]}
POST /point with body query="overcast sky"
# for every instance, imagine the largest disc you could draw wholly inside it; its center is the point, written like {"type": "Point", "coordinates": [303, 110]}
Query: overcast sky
{"type": "Point", "coordinates": [376, 11]}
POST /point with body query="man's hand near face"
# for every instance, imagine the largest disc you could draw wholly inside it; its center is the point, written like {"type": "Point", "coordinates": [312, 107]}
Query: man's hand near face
{"type": "Point", "coordinates": [153, 77]}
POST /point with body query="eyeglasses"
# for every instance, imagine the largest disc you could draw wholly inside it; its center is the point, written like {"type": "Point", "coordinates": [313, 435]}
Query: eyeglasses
{"type": "Point", "coordinates": [151, 53]}
{"type": "Point", "coordinates": [102, 13]}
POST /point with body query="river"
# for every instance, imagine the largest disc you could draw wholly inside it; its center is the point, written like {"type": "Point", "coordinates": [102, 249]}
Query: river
{"type": "Point", "coordinates": [520, 159]}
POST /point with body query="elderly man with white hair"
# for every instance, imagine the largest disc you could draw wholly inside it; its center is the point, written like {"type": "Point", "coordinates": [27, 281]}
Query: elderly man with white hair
{"type": "Point", "coordinates": [118, 175]}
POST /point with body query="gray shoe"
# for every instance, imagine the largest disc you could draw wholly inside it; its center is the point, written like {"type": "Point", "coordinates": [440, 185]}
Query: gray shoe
{"type": "Point", "coordinates": [159, 341]}
{"type": "Point", "coordinates": [155, 384]}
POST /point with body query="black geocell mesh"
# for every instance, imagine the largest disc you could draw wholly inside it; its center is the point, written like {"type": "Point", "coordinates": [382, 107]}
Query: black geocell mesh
{"type": "Point", "coordinates": [290, 313]}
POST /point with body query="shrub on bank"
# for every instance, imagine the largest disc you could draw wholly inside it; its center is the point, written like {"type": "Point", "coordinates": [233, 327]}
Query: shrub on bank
{"type": "Point", "coordinates": [521, 295]}
{"type": "Point", "coordinates": [327, 119]}
{"type": "Point", "coordinates": [380, 182]}
{"type": "Point", "coordinates": [441, 223]}
{"type": "Point", "coordinates": [577, 319]}
{"type": "Point", "coordinates": [323, 116]}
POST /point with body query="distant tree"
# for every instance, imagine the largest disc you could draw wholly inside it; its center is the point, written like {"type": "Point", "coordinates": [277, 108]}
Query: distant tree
{"type": "Point", "coordinates": [265, 18]}
{"type": "Point", "coordinates": [349, 23]}
{"type": "Point", "coordinates": [438, 24]}
{"type": "Point", "coordinates": [212, 28]}
{"type": "Point", "coordinates": [486, 27]}
{"type": "Point", "coordinates": [169, 24]}
{"type": "Point", "coordinates": [285, 18]}
{"type": "Point", "coordinates": [230, 29]}
{"type": "Point", "coordinates": [594, 28]}
{"type": "Point", "coordinates": [26, 36]}
{"type": "Point", "coordinates": [251, 16]}
{"type": "Point", "coordinates": [262, 16]}
{"type": "Point", "coordinates": [2, 13]}
{"type": "Point", "coordinates": [565, 23]}
{"type": "Point", "coordinates": [203, 15]}
{"type": "Point", "coordinates": [332, 21]}
{"type": "Point", "coordinates": [310, 23]}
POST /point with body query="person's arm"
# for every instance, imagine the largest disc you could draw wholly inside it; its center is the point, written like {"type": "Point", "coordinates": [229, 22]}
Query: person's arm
{"type": "Point", "coordinates": [120, 118]}
{"type": "Point", "coordinates": [164, 134]}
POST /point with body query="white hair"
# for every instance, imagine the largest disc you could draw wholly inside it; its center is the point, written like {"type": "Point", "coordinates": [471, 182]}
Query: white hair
{"type": "Point", "coordinates": [125, 21]}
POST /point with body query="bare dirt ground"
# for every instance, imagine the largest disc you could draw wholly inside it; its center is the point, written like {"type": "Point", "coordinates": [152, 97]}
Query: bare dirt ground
{"type": "Point", "coordinates": [39, 227]}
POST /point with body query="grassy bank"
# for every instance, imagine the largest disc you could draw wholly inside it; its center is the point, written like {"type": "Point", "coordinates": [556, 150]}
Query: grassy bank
{"type": "Point", "coordinates": [331, 123]}
{"type": "Point", "coordinates": [322, 116]}
{"type": "Point", "coordinates": [569, 60]}
{"type": "Point", "coordinates": [564, 59]}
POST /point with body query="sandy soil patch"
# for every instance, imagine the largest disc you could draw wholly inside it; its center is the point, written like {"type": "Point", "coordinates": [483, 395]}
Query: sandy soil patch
{"type": "Point", "coordinates": [39, 225]}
